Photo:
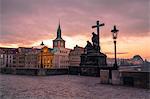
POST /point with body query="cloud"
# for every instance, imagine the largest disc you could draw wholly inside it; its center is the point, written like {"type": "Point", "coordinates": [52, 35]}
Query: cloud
{"type": "Point", "coordinates": [28, 21]}
{"type": "Point", "coordinates": [110, 53]}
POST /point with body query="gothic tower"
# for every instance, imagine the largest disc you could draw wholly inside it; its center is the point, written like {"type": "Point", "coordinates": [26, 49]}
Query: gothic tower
{"type": "Point", "coordinates": [59, 42]}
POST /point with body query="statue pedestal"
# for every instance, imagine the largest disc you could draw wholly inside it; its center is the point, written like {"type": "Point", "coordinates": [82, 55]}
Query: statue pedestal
{"type": "Point", "coordinates": [91, 62]}
{"type": "Point", "coordinates": [93, 59]}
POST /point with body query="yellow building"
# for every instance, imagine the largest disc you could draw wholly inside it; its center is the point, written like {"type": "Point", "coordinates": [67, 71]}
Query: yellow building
{"type": "Point", "coordinates": [46, 58]}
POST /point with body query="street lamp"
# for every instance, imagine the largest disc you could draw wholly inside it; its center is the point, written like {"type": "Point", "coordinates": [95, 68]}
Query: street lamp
{"type": "Point", "coordinates": [114, 34]}
{"type": "Point", "coordinates": [42, 44]}
{"type": "Point", "coordinates": [41, 59]}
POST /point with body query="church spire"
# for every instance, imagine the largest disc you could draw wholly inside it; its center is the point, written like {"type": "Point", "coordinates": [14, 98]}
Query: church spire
{"type": "Point", "coordinates": [59, 42]}
{"type": "Point", "coordinates": [59, 31]}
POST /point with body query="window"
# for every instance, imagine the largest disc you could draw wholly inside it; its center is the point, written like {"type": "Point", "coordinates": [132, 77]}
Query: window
{"type": "Point", "coordinates": [62, 44]}
{"type": "Point", "coordinates": [1, 55]}
{"type": "Point", "coordinates": [55, 43]}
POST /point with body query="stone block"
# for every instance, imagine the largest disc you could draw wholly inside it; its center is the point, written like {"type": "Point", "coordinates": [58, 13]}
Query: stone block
{"type": "Point", "coordinates": [116, 80]}
{"type": "Point", "coordinates": [104, 76]}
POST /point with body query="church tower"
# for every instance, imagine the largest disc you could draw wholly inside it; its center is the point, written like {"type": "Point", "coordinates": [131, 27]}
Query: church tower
{"type": "Point", "coordinates": [59, 42]}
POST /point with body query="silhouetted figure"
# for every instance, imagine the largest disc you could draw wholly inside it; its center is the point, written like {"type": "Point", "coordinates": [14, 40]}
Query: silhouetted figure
{"type": "Point", "coordinates": [95, 42]}
{"type": "Point", "coordinates": [88, 47]}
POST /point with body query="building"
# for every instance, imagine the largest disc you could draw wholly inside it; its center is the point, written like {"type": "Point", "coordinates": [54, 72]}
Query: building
{"type": "Point", "coordinates": [137, 60]}
{"type": "Point", "coordinates": [59, 42]}
{"type": "Point", "coordinates": [7, 56]}
{"type": "Point", "coordinates": [45, 58]}
{"type": "Point", "coordinates": [111, 61]}
{"type": "Point", "coordinates": [74, 56]}
{"type": "Point", "coordinates": [24, 49]}
{"type": "Point", "coordinates": [19, 58]}
{"type": "Point", "coordinates": [61, 54]}
{"type": "Point", "coordinates": [31, 58]}
{"type": "Point", "coordinates": [61, 57]}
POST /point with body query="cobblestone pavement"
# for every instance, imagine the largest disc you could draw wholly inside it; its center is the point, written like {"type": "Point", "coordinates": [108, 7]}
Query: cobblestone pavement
{"type": "Point", "coordinates": [64, 87]}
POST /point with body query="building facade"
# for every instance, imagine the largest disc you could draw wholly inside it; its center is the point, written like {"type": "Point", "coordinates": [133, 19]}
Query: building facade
{"type": "Point", "coordinates": [31, 58]}
{"type": "Point", "coordinates": [19, 59]}
{"type": "Point", "coordinates": [74, 56]}
{"type": "Point", "coordinates": [7, 56]}
{"type": "Point", "coordinates": [111, 61]}
{"type": "Point", "coordinates": [45, 58]}
{"type": "Point", "coordinates": [136, 60]}
{"type": "Point", "coordinates": [61, 57]}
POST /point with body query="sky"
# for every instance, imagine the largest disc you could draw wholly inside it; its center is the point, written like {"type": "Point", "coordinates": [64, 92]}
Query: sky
{"type": "Point", "coordinates": [26, 23]}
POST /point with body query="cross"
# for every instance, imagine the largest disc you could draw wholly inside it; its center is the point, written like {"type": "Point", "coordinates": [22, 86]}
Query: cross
{"type": "Point", "coordinates": [98, 25]}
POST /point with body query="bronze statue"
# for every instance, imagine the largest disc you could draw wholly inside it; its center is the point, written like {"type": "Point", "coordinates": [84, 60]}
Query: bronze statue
{"type": "Point", "coordinates": [88, 47]}
{"type": "Point", "coordinates": [95, 42]}
{"type": "Point", "coordinates": [92, 56]}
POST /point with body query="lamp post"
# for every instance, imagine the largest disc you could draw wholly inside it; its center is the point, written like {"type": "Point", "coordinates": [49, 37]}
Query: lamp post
{"type": "Point", "coordinates": [41, 59]}
{"type": "Point", "coordinates": [114, 34]}
{"type": "Point", "coordinates": [42, 44]}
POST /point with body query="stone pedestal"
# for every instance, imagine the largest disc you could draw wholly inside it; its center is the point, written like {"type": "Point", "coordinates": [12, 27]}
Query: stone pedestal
{"type": "Point", "coordinates": [116, 77]}
{"type": "Point", "coordinates": [104, 76]}
{"type": "Point", "coordinates": [93, 59]}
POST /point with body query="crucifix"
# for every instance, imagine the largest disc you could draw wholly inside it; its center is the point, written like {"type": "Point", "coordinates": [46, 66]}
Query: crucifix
{"type": "Point", "coordinates": [98, 25]}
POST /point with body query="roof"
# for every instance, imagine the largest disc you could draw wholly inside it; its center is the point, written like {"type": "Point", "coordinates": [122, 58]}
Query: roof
{"type": "Point", "coordinates": [58, 39]}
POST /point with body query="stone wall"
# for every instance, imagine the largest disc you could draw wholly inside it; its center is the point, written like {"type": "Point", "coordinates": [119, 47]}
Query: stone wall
{"type": "Point", "coordinates": [33, 72]}
{"type": "Point", "coordinates": [136, 79]}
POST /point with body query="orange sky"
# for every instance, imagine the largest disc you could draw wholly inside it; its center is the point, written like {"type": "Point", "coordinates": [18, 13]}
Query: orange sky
{"type": "Point", "coordinates": [28, 22]}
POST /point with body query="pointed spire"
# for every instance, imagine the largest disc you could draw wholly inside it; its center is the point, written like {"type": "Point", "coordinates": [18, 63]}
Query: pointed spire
{"type": "Point", "coordinates": [59, 22]}
{"type": "Point", "coordinates": [59, 31]}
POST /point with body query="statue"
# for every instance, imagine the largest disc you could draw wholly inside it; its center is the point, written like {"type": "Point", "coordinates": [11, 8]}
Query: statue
{"type": "Point", "coordinates": [92, 55]}
{"type": "Point", "coordinates": [95, 41]}
{"type": "Point", "coordinates": [92, 58]}
{"type": "Point", "coordinates": [88, 47]}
